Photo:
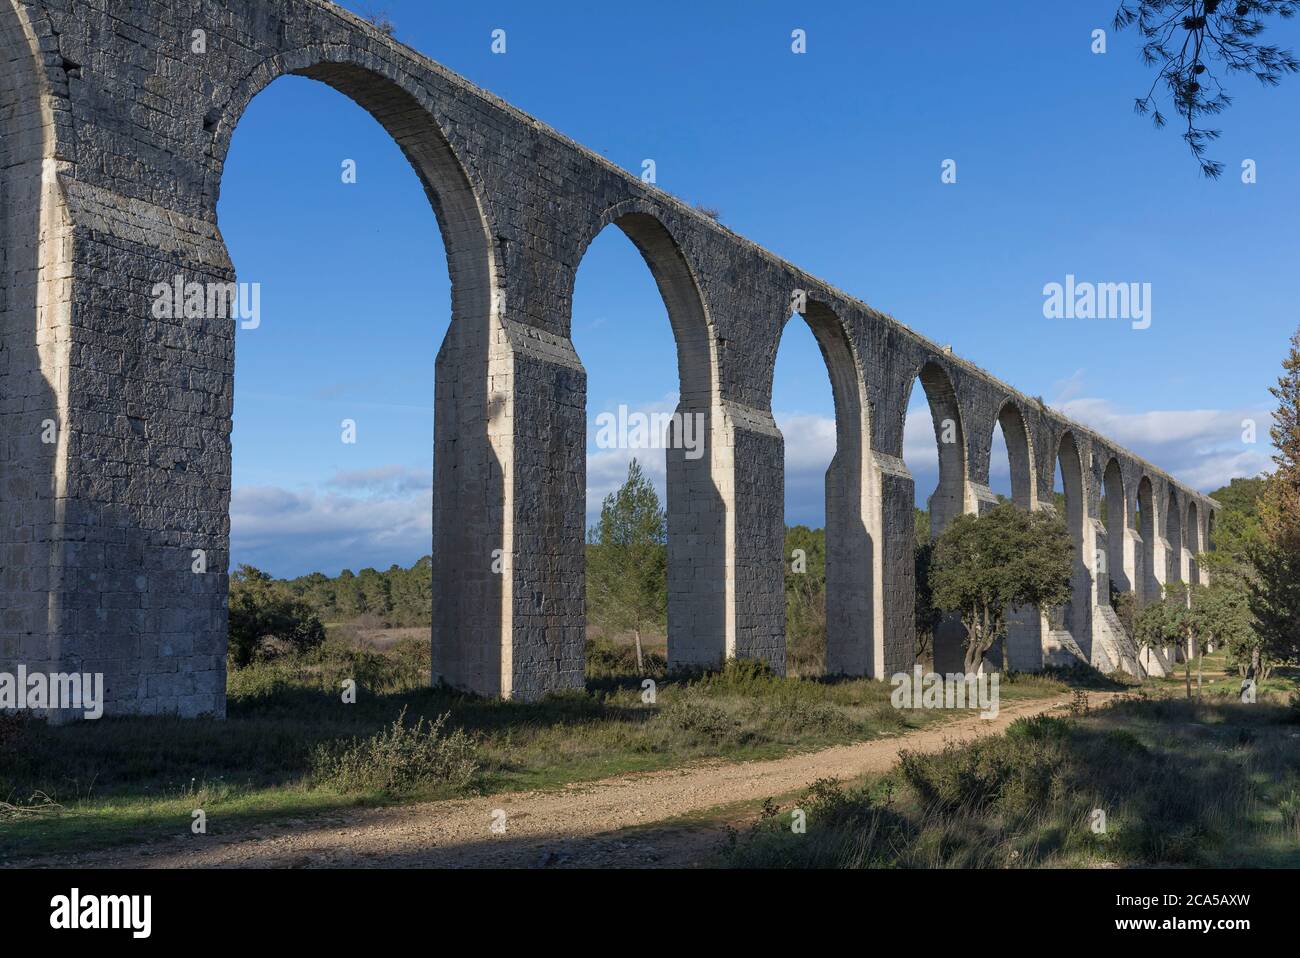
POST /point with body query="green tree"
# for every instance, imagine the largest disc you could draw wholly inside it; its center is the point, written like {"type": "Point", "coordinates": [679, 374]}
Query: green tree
{"type": "Point", "coordinates": [1275, 588]}
{"type": "Point", "coordinates": [261, 608]}
{"type": "Point", "coordinates": [1171, 622]}
{"type": "Point", "coordinates": [1236, 525]}
{"type": "Point", "coordinates": [627, 563]}
{"type": "Point", "coordinates": [986, 565]}
{"type": "Point", "coordinates": [1186, 39]}
{"type": "Point", "coordinates": [1222, 616]}
{"type": "Point", "coordinates": [928, 616]}
{"type": "Point", "coordinates": [805, 599]}
{"type": "Point", "coordinates": [922, 526]}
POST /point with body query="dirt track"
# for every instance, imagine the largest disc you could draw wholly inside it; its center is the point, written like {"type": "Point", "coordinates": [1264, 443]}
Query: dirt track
{"type": "Point", "coordinates": [593, 824]}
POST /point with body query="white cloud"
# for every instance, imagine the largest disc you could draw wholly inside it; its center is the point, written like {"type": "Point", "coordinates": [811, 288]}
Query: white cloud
{"type": "Point", "coordinates": [1202, 447]}
{"type": "Point", "coordinates": [390, 480]}
{"type": "Point", "coordinates": [367, 517]}
{"type": "Point", "coordinates": [383, 514]}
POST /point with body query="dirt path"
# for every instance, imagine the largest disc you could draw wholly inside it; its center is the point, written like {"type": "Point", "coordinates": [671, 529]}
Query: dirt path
{"type": "Point", "coordinates": [625, 821]}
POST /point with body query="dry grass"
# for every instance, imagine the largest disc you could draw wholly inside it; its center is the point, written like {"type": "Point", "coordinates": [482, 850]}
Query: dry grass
{"type": "Point", "coordinates": [1209, 783]}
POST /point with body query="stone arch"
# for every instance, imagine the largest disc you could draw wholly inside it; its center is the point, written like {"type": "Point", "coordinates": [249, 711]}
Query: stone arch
{"type": "Point", "coordinates": [472, 453]}
{"type": "Point", "coordinates": [1116, 522]}
{"type": "Point", "coordinates": [1024, 639]}
{"type": "Point", "coordinates": [400, 105]}
{"type": "Point", "coordinates": [1148, 584]}
{"type": "Point", "coordinates": [35, 315]}
{"type": "Point", "coordinates": [850, 528]}
{"type": "Point", "coordinates": [949, 498]}
{"type": "Point", "coordinates": [1020, 453]}
{"type": "Point", "coordinates": [644, 223]}
{"type": "Point", "coordinates": [1193, 538]}
{"type": "Point", "coordinates": [698, 501]}
{"type": "Point", "coordinates": [1079, 607]}
{"type": "Point", "coordinates": [1173, 529]}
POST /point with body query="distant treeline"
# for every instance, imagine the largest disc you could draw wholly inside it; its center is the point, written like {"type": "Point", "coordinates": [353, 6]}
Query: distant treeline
{"type": "Point", "coordinates": [395, 598]}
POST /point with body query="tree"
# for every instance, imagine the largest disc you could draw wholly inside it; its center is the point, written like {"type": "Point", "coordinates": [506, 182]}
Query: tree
{"type": "Point", "coordinates": [922, 523]}
{"type": "Point", "coordinates": [986, 565]}
{"type": "Point", "coordinates": [1221, 614]}
{"type": "Point", "coordinates": [261, 608]}
{"type": "Point", "coordinates": [805, 599]}
{"type": "Point", "coordinates": [1275, 590]}
{"type": "Point", "coordinates": [1181, 618]}
{"type": "Point", "coordinates": [927, 615]}
{"type": "Point", "coordinates": [627, 564]}
{"type": "Point", "coordinates": [1236, 525]}
{"type": "Point", "coordinates": [1184, 38]}
{"type": "Point", "coordinates": [1162, 624]}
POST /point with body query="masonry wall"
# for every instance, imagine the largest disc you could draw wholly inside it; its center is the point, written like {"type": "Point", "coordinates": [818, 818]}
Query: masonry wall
{"type": "Point", "coordinates": [116, 132]}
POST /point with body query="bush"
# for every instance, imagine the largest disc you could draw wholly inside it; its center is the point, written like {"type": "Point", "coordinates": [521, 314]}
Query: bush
{"type": "Point", "coordinates": [799, 716]}
{"type": "Point", "coordinates": [694, 715]}
{"type": "Point", "coordinates": [399, 759]}
{"type": "Point", "coordinates": [261, 611]}
{"type": "Point", "coordinates": [606, 660]}
{"type": "Point", "coordinates": [1014, 772]}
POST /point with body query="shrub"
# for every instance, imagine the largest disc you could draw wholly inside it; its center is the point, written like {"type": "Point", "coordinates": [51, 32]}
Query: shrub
{"type": "Point", "coordinates": [798, 716]}
{"type": "Point", "coordinates": [1014, 771]}
{"type": "Point", "coordinates": [399, 759]}
{"type": "Point", "coordinates": [606, 660]}
{"type": "Point", "coordinates": [1290, 809]}
{"type": "Point", "coordinates": [693, 714]}
{"type": "Point", "coordinates": [260, 610]}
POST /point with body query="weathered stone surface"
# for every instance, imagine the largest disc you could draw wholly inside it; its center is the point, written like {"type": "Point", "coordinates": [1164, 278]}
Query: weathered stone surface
{"type": "Point", "coordinates": [113, 132]}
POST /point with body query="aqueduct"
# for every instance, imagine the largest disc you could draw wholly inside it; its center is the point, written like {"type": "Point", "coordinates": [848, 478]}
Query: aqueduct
{"type": "Point", "coordinates": [114, 123]}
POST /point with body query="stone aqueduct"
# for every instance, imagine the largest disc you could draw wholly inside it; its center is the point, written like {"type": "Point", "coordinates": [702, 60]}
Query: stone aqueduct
{"type": "Point", "coordinates": [113, 133]}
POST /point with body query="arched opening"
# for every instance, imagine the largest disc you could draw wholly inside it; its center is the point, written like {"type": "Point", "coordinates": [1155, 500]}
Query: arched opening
{"type": "Point", "coordinates": [1024, 642]}
{"type": "Point", "coordinates": [1148, 584]}
{"type": "Point", "coordinates": [308, 493]}
{"type": "Point", "coordinates": [1070, 476]}
{"type": "Point", "coordinates": [803, 407]}
{"type": "Point", "coordinates": [999, 465]}
{"type": "Point", "coordinates": [1019, 456]}
{"type": "Point", "coordinates": [641, 410]}
{"type": "Point", "coordinates": [363, 180]}
{"type": "Point", "coordinates": [1114, 518]}
{"type": "Point", "coordinates": [1174, 538]}
{"type": "Point", "coordinates": [825, 465]}
{"type": "Point", "coordinates": [934, 450]}
{"type": "Point", "coordinates": [1193, 544]}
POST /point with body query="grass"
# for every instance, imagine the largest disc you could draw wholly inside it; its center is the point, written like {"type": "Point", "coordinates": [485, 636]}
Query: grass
{"type": "Point", "coordinates": [291, 748]}
{"type": "Point", "coordinates": [1209, 782]}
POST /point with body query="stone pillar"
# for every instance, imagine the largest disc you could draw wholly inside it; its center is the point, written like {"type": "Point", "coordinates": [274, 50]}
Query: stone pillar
{"type": "Point", "coordinates": [894, 501]}
{"type": "Point", "coordinates": [509, 511]}
{"type": "Point", "coordinates": [850, 565]}
{"type": "Point", "coordinates": [38, 583]}
{"type": "Point", "coordinates": [1127, 575]}
{"type": "Point", "coordinates": [753, 487]}
{"type": "Point", "coordinates": [698, 583]}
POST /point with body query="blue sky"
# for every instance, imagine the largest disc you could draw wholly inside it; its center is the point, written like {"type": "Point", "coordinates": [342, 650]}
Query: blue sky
{"type": "Point", "coordinates": [832, 160]}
